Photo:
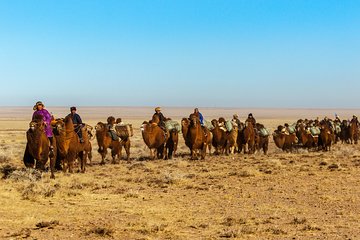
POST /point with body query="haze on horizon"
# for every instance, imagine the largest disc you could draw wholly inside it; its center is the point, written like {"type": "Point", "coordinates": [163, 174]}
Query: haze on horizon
{"type": "Point", "coordinates": [265, 54]}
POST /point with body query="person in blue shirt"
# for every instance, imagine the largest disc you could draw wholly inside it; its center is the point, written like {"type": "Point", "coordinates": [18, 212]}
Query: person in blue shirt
{"type": "Point", "coordinates": [200, 116]}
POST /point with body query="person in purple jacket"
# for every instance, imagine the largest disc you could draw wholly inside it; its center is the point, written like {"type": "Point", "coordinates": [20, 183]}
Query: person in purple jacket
{"type": "Point", "coordinates": [39, 109]}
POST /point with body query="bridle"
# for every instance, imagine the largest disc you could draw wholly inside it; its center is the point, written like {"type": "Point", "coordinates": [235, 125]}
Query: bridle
{"type": "Point", "coordinates": [34, 124]}
{"type": "Point", "coordinates": [67, 131]}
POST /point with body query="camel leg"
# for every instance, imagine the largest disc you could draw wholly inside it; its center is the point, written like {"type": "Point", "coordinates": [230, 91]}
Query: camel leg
{"type": "Point", "coordinates": [82, 158]}
{"type": "Point", "coordinates": [113, 156]}
{"type": "Point", "coordinates": [194, 155]}
{"type": "Point", "coordinates": [165, 155]}
{"type": "Point", "coordinates": [29, 160]}
{"type": "Point", "coordinates": [127, 149]}
{"type": "Point", "coordinates": [192, 152]}
{"type": "Point", "coordinates": [52, 167]}
{"type": "Point", "coordinates": [161, 151]}
{"type": "Point", "coordinates": [152, 154]}
{"type": "Point", "coordinates": [71, 159]}
{"type": "Point", "coordinates": [203, 152]}
{"type": "Point", "coordinates": [265, 148]}
{"type": "Point", "coordinates": [65, 164]}
{"type": "Point", "coordinates": [103, 155]}
{"type": "Point", "coordinates": [120, 152]}
{"type": "Point", "coordinates": [90, 158]}
{"type": "Point", "coordinates": [251, 148]}
{"type": "Point", "coordinates": [71, 165]}
{"type": "Point", "coordinates": [246, 146]}
{"type": "Point", "coordinates": [175, 149]}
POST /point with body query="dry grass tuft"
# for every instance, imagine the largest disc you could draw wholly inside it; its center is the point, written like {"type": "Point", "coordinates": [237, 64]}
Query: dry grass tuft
{"type": "Point", "coordinates": [33, 190]}
{"type": "Point", "coordinates": [26, 174]}
{"type": "Point", "coordinates": [276, 231]}
{"type": "Point", "coordinates": [248, 230]}
{"type": "Point", "coordinates": [229, 233]}
{"type": "Point", "coordinates": [24, 233]}
{"type": "Point", "coordinates": [47, 224]}
{"type": "Point", "coordinates": [298, 221]}
{"type": "Point", "coordinates": [229, 221]}
{"type": "Point", "coordinates": [246, 173]}
{"type": "Point", "coordinates": [333, 166]}
{"type": "Point", "coordinates": [311, 228]}
{"type": "Point", "coordinates": [7, 170]}
{"type": "Point", "coordinates": [101, 231]}
{"type": "Point", "coordinates": [4, 158]}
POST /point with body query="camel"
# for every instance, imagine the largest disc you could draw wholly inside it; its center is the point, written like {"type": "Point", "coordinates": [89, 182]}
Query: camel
{"type": "Point", "coordinates": [37, 150]}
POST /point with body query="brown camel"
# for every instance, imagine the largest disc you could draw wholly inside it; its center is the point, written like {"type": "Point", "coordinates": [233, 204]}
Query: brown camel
{"type": "Point", "coordinates": [326, 136]}
{"type": "Point", "coordinates": [37, 150]}
{"type": "Point", "coordinates": [345, 132]}
{"type": "Point", "coordinates": [354, 131]}
{"type": "Point", "coordinates": [125, 132]}
{"type": "Point", "coordinates": [219, 137]}
{"type": "Point", "coordinates": [69, 146]}
{"type": "Point", "coordinates": [196, 137]}
{"type": "Point", "coordinates": [249, 138]}
{"type": "Point", "coordinates": [172, 143]}
{"type": "Point", "coordinates": [306, 138]}
{"type": "Point", "coordinates": [261, 140]}
{"type": "Point", "coordinates": [155, 138]}
{"type": "Point", "coordinates": [105, 141]}
{"type": "Point", "coordinates": [231, 140]}
{"type": "Point", "coordinates": [284, 140]}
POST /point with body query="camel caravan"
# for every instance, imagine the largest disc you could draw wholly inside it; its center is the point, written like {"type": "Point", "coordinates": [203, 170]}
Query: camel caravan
{"type": "Point", "coordinates": [66, 141]}
{"type": "Point", "coordinates": [316, 134]}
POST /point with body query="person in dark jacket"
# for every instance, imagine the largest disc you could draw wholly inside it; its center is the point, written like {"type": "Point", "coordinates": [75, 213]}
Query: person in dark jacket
{"type": "Point", "coordinates": [355, 119]}
{"type": "Point", "coordinates": [251, 119]}
{"type": "Point", "coordinates": [78, 124]}
{"type": "Point", "coordinates": [161, 117]}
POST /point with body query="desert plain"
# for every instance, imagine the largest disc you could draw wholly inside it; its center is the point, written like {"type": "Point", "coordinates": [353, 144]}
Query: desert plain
{"type": "Point", "coordinates": [299, 195]}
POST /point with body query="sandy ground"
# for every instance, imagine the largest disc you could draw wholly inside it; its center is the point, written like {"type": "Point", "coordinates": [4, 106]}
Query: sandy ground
{"type": "Point", "coordinates": [302, 195]}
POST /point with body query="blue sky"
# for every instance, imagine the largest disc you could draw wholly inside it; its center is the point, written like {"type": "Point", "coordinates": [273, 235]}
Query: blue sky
{"type": "Point", "coordinates": [213, 53]}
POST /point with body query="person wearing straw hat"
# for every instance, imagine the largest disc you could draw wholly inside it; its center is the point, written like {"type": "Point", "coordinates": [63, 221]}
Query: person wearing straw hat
{"type": "Point", "coordinates": [236, 120]}
{"type": "Point", "coordinates": [161, 117]}
{"type": "Point", "coordinates": [39, 109]}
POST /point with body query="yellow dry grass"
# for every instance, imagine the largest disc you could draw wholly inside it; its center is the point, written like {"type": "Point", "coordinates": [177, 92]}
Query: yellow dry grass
{"type": "Point", "coordinates": [304, 195]}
